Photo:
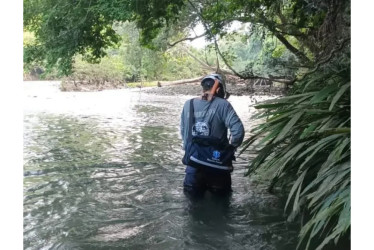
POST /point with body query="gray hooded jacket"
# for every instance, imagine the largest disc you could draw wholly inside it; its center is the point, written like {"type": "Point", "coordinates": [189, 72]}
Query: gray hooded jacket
{"type": "Point", "coordinates": [212, 118]}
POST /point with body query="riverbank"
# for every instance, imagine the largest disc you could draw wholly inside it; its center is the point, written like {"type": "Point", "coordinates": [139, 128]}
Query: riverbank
{"type": "Point", "coordinates": [171, 90]}
{"type": "Point", "coordinates": [195, 89]}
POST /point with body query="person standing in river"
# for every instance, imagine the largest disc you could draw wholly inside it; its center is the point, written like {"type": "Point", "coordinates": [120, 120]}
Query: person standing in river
{"type": "Point", "coordinates": [205, 134]}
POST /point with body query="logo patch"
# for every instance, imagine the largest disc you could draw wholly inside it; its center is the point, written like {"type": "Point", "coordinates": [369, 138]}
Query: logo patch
{"type": "Point", "coordinates": [200, 128]}
{"type": "Point", "coordinates": [216, 154]}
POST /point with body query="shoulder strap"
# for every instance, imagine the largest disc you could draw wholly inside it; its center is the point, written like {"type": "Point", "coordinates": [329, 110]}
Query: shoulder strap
{"type": "Point", "coordinates": [210, 103]}
{"type": "Point", "coordinates": [191, 119]}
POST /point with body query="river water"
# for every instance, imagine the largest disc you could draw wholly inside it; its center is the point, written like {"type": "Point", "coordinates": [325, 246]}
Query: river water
{"type": "Point", "coordinates": [102, 170]}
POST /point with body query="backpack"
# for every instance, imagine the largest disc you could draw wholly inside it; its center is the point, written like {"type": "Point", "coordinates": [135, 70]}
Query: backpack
{"type": "Point", "coordinates": [203, 151]}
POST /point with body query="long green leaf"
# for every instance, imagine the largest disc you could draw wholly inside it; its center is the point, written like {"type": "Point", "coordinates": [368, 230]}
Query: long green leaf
{"type": "Point", "coordinates": [288, 157]}
{"type": "Point", "coordinates": [321, 95]}
{"type": "Point", "coordinates": [311, 156]}
{"type": "Point", "coordinates": [328, 181]}
{"type": "Point", "coordinates": [288, 126]}
{"type": "Point", "coordinates": [281, 115]}
{"type": "Point", "coordinates": [296, 185]}
{"type": "Point", "coordinates": [345, 167]}
{"type": "Point", "coordinates": [275, 131]}
{"type": "Point", "coordinates": [271, 105]}
{"type": "Point", "coordinates": [339, 94]}
{"type": "Point", "coordinates": [324, 141]}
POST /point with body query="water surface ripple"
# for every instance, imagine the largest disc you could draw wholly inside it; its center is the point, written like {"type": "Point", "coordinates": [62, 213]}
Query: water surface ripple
{"type": "Point", "coordinates": [103, 171]}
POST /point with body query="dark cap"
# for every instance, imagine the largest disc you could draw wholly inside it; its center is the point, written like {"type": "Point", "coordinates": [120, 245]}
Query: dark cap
{"type": "Point", "coordinates": [208, 81]}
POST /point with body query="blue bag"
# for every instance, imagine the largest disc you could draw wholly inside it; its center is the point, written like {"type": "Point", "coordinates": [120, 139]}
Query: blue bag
{"type": "Point", "coordinates": [207, 151]}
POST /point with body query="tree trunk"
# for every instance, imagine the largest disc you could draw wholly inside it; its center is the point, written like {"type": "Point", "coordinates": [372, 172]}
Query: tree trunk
{"type": "Point", "coordinates": [183, 81]}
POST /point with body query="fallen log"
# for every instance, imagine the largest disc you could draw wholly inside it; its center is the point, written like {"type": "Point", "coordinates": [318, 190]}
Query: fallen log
{"type": "Point", "coordinates": [178, 82]}
{"type": "Point", "coordinates": [206, 66]}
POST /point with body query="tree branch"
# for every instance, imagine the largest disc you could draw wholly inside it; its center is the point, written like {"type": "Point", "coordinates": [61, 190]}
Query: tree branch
{"type": "Point", "coordinates": [234, 72]}
{"type": "Point", "coordinates": [205, 65]}
{"type": "Point", "coordinates": [291, 48]}
{"type": "Point", "coordinates": [178, 82]}
{"type": "Point", "coordinates": [325, 60]}
{"type": "Point", "coordinates": [186, 39]}
{"type": "Point", "coordinates": [281, 38]}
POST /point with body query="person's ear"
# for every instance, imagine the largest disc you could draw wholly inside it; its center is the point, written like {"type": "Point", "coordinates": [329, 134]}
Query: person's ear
{"type": "Point", "coordinates": [217, 90]}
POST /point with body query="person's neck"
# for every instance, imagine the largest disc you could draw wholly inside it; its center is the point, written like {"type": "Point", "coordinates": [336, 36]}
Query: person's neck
{"type": "Point", "coordinates": [207, 95]}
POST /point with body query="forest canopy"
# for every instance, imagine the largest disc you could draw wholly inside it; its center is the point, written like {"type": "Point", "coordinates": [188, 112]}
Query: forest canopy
{"type": "Point", "coordinates": [309, 30]}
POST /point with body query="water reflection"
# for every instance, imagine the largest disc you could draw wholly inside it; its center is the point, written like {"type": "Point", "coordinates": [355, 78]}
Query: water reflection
{"type": "Point", "coordinates": [114, 181]}
{"type": "Point", "coordinates": [209, 218]}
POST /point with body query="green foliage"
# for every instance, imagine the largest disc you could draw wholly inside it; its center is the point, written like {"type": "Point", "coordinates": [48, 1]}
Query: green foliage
{"type": "Point", "coordinates": [28, 38]}
{"type": "Point", "coordinates": [34, 68]}
{"type": "Point", "coordinates": [131, 62]}
{"type": "Point", "coordinates": [256, 54]}
{"type": "Point", "coordinates": [306, 141]}
{"type": "Point", "coordinates": [110, 69]}
{"type": "Point", "coordinates": [179, 65]}
{"type": "Point", "coordinates": [66, 28]}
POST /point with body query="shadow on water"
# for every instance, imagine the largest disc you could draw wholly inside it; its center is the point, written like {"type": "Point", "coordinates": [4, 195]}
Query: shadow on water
{"type": "Point", "coordinates": [98, 182]}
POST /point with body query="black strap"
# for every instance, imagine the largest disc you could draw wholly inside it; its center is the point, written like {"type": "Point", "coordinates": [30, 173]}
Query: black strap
{"type": "Point", "coordinates": [192, 116]}
{"type": "Point", "coordinates": [191, 120]}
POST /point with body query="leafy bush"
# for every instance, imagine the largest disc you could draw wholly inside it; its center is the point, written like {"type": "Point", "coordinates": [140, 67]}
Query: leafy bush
{"type": "Point", "coordinates": [110, 69]}
{"type": "Point", "coordinates": [305, 142]}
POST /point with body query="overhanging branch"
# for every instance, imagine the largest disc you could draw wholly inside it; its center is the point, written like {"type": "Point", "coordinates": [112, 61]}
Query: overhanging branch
{"type": "Point", "coordinates": [291, 48]}
{"type": "Point", "coordinates": [186, 39]}
{"type": "Point", "coordinates": [205, 65]}
{"type": "Point", "coordinates": [234, 72]}
{"type": "Point", "coordinates": [325, 60]}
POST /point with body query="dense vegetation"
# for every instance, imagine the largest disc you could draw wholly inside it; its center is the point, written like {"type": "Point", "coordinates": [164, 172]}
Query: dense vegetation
{"type": "Point", "coordinates": [304, 140]}
{"type": "Point", "coordinates": [128, 61]}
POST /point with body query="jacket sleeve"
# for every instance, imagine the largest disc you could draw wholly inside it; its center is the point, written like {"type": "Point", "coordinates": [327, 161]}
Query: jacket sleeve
{"type": "Point", "coordinates": [235, 126]}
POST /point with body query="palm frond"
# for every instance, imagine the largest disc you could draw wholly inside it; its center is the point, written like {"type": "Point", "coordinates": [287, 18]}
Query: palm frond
{"type": "Point", "coordinates": [304, 140]}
